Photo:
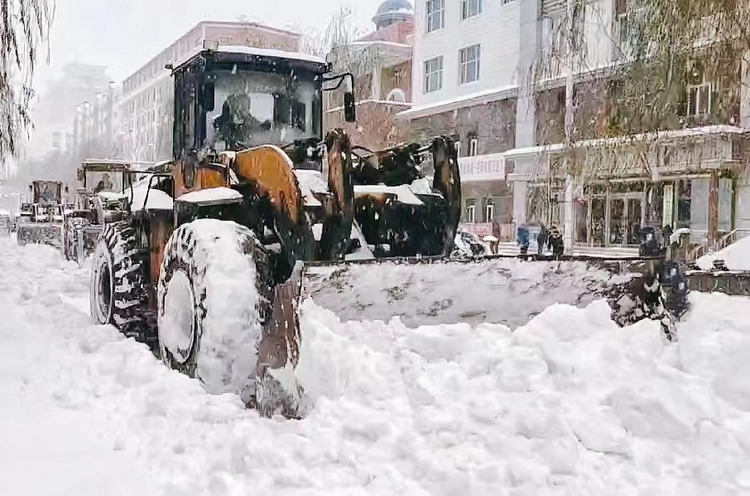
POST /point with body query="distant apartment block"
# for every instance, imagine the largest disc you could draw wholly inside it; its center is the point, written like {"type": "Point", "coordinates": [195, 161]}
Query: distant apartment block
{"type": "Point", "coordinates": [146, 105]}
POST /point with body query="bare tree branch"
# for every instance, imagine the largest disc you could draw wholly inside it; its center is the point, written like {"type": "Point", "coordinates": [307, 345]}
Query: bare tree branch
{"type": "Point", "coordinates": [24, 30]}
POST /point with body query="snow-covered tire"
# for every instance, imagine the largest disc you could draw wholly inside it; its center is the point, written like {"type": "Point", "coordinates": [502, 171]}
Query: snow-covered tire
{"type": "Point", "coordinates": [118, 293]}
{"type": "Point", "coordinates": [73, 229]}
{"type": "Point", "coordinates": [215, 294]}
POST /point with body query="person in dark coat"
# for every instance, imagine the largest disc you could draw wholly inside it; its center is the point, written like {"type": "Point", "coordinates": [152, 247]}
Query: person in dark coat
{"type": "Point", "coordinates": [542, 238]}
{"type": "Point", "coordinates": [555, 242]}
{"type": "Point", "coordinates": [523, 239]}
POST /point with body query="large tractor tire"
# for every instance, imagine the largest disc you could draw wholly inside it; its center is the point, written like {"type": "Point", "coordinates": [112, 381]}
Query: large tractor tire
{"type": "Point", "coordinates": [73, 230]}
{"type": "Point", "coordinates": [118, 293]}
{"type": "Point", "coordinates": [215, 295]}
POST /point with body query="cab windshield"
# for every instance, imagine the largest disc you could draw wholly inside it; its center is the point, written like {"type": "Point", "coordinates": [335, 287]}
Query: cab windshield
{"type": "Point", "coordinates": [107, 182]}
{"type": "Point", "coordinates": [256, 108]}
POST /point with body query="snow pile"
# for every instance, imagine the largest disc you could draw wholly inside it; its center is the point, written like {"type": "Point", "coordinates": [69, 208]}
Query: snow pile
{"type": "Point", "coordinates": [568, 404]}
{"type": "Point", "coordinates": [157, 199]}
{"type": "Point", "coordinates": [311, 182]}
{"type": "Point", "coordinates": [736, 256]}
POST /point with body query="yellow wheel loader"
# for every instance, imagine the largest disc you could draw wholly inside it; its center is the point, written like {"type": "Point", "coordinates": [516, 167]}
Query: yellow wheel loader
{"type": "Point", "coordinates": [258, 208]}
{"type": "Point", "coordinates": [43, 219]}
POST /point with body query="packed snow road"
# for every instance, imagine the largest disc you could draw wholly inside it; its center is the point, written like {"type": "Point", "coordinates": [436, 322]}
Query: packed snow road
{"type": "Point", "coordinates": [569, 404]}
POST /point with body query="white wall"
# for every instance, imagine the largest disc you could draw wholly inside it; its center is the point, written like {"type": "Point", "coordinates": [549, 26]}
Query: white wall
{"type": "Point", "coordinates": [496, 29]}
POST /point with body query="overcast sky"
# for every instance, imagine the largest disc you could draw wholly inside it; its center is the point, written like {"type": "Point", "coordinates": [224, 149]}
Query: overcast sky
{"type": "Point", "coordinates": [125, 34]}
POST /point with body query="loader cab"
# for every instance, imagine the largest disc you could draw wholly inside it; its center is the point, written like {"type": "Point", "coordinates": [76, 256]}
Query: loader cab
{"type": "Point", "coordinates": [235, 98]}
{"type": "Point", "coordinates": [229, 99]}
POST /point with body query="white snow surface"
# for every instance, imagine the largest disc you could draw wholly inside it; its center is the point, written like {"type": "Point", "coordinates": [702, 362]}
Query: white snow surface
{"type": "Point", "coordinates": [210, 195]}
{"type": "Point", "coordinates": [736, 256]}
{"type": "Point", "coordinates": [311, 182]}
{"type": "Point", "coordinates": [157, 199]}
{"type": "Point", "coordinates": [568, 404]}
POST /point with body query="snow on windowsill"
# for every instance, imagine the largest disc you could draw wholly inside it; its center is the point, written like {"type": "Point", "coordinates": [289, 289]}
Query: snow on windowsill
{"type": "Point", "coordinates": [479, 97]}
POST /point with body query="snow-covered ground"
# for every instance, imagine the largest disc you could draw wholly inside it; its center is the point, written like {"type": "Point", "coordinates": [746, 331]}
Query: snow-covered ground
{"type": "Point", "coordinates": [736, 256]}
{"type": "Point", "coordinates": [568, 404]}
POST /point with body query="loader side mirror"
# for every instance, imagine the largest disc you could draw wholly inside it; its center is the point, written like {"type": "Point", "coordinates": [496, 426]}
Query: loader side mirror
{"type": "Point", "coordinates": [350, 107]}
{"type": "Point", "coordinates": [207, 97]}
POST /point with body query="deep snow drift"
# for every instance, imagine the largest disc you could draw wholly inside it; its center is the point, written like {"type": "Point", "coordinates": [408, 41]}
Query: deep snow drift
{"type": "Point", "coordinates": [736, 256]}
{"type": "Point", "coordinates": [568, 404]}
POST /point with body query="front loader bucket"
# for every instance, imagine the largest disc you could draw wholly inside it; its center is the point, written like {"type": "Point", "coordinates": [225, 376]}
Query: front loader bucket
{"type": "Point", "coordinates": [508, 291]}
{"type": "Point", "coordinates": [434, 291]}
{"type": "Point", "coordinates": [40, 234]}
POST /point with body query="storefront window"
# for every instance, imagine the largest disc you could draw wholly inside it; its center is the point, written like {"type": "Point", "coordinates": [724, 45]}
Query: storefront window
{"type": "Point", "coordinates": [582, 208]}
{"type": "Point", "coordinates": [726, 194]}
{"type": "Point", "coordinates": [634, 221]}
{"type": "Point", "coordinates": [684, 203]}
{"type": "Point", "coordinates": [655, 205]}
{"type": "Point", "coordinates": [598, 220]}
{"type": "Point", "coordinates": [617, 222]}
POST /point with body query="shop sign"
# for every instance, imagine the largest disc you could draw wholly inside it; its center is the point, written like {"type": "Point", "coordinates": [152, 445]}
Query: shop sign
{"type": "Point", "coordinates": [482, 168]}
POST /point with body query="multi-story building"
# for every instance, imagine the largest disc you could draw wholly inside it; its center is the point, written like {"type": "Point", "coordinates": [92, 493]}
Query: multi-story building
{"type": "Point", "coordinates": [53, 142]}
{"type": "Point", "coordinates": [53, 117]}
{"type": "Point", "coordinates": [519, 134]}
{"type": "Point", "coordinates": [381, 64]}
{"type": "Point", "coordinates": [465, 80]}
{"type": "Point", "coordinates": [146, 104]}
{"type": "Point", "coordinates": [94, 126]}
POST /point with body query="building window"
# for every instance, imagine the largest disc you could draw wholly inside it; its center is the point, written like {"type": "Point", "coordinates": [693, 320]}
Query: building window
{"type": "Point", "coordinates": [471, 211]}
{"type": "Point", "coordinates": [489, 210]}
{"type": "Point", "coordinates": [470, 8]}
{"type": "Point", "coordinates": [435, 15]}
{"type": "Point", "coordinates": [469, 64]}
{"type": "Point", "coordinates": [700, 92]}
{"type": "Point", "coordinates": [473, 147]}
{"type": "Point", "coordinates": [433, 74]}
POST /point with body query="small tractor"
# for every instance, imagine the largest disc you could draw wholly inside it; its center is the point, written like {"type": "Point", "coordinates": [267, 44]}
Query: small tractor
{"type": "Point", "coordinates": [40, 222]}
{"type": "Point", "coordinates": [6, 223]}
{"type": "Point", "coordinates": [105, 188]}
{"type": "Point", "coordinates": [209, 260]}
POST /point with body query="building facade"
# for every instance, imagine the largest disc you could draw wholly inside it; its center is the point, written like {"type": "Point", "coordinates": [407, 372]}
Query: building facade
{"type": "Point", "coordinates": [145, 107]}
{"type": "Point", "coordinates": [55, 140]}
{"type": "Point", "coordinates": [382, 66]}
{"type": "Point", "coordinates": [500, 78]}
{"type": "Point", "coordinates": [466, 84]}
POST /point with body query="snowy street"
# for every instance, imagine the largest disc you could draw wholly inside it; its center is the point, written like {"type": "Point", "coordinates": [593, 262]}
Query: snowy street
{"type": "Point", "coordinates": [568, 404]}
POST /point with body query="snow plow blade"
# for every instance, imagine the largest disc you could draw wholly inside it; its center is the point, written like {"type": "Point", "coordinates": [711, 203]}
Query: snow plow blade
{"type": "Point", "coordinates": [40, 234]}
